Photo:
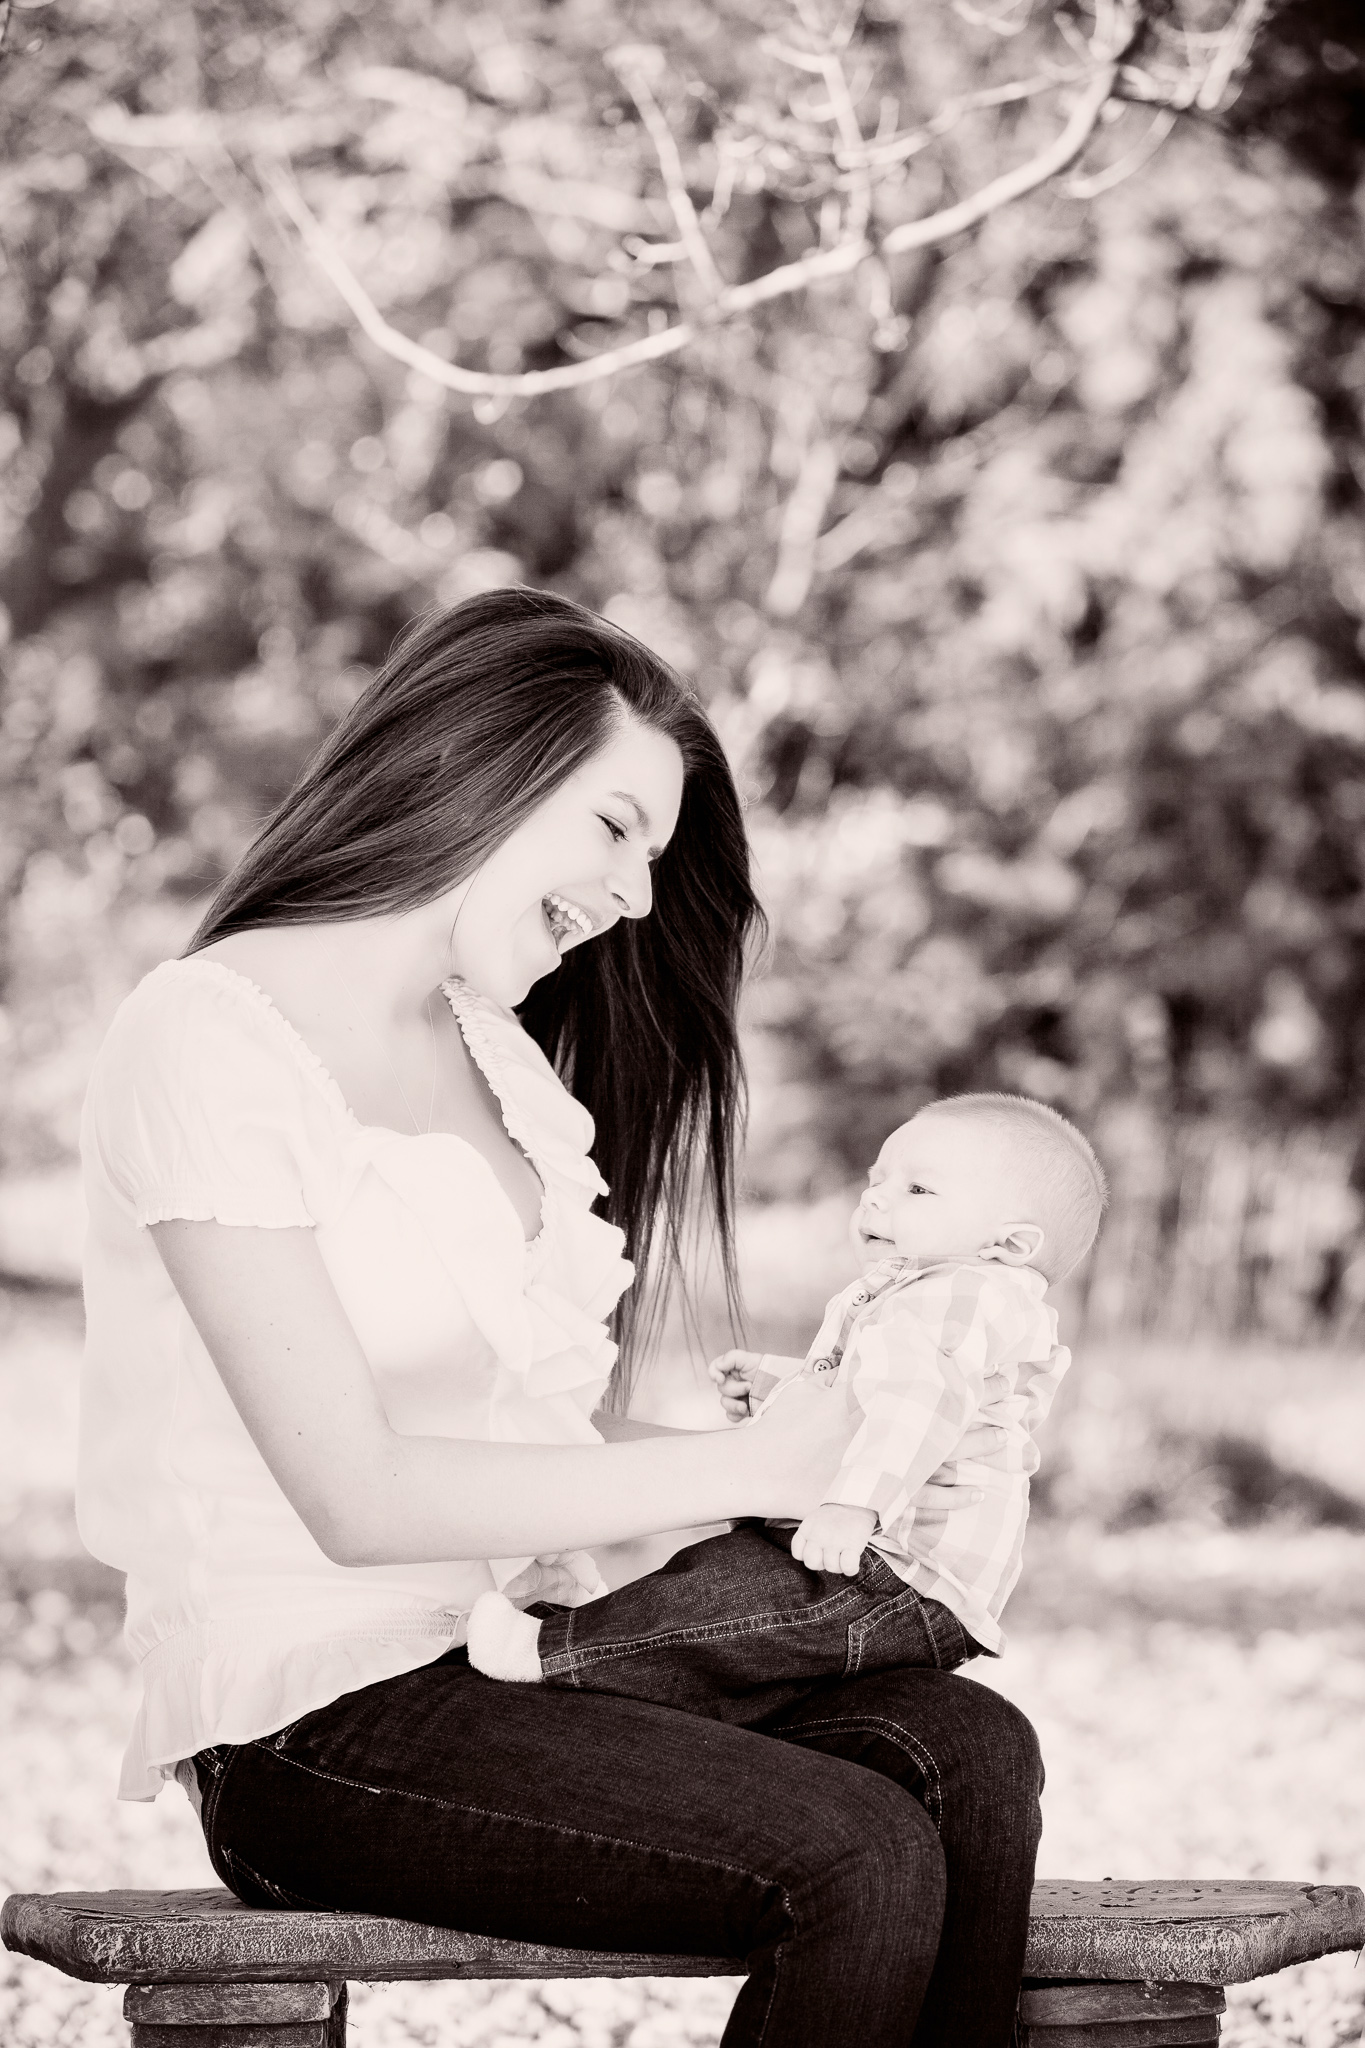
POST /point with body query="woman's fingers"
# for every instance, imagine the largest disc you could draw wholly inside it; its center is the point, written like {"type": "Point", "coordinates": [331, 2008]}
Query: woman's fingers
{"type": "Point", "coordinates": [936, 1503]}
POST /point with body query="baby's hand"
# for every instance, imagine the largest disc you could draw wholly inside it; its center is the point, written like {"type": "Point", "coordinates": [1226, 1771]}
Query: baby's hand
{"type": "Point", "coordinates": [834, 1538]}
{"type": "Point", "coordinates": [567, 1577]}
{"type": "Point", "coordinates": [734, 1372]}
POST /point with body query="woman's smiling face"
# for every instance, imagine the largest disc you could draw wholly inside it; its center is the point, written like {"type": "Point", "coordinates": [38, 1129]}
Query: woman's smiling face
{"type": "Point", "coordinates": [569, 871]}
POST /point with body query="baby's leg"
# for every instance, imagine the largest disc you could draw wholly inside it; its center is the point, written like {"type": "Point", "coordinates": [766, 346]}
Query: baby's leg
{"type": "Point", "coordinates": [732, 1628]}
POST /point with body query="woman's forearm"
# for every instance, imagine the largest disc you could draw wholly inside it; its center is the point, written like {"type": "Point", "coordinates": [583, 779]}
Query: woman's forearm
{"type": "Point", "coordinates": [269, 1316]}
{"type": "Point", "coordinates": [429, 1499]}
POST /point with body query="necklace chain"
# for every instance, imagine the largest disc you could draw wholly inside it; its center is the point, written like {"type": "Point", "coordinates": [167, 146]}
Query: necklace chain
{"type": "Point", "coordinates": [420, 1130]}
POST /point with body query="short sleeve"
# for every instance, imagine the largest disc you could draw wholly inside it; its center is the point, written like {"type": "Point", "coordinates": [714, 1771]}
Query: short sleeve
{"type": "Point", "coordinates": [199, 1107]}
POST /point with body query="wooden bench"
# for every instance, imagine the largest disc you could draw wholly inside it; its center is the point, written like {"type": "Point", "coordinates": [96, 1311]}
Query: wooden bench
{"type": "Point", "coordinates": [1110, 1965]}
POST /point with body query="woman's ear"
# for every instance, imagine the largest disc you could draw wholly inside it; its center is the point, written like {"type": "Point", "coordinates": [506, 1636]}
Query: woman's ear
{"type": "Point", "coordinates": [1017, 1245]}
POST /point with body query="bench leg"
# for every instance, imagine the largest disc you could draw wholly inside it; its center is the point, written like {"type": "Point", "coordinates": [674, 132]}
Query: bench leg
{"type": "Point", "coordinates": [1119, 2015]}
{"type": "Point", "coordinates": [236, 2015]}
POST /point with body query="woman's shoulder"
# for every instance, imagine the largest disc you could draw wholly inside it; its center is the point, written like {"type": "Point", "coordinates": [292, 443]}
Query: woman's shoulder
{"type": "Point", "coordinates": [196, 1024]}
{"type": "Point", "coordinates": [203, 1102]}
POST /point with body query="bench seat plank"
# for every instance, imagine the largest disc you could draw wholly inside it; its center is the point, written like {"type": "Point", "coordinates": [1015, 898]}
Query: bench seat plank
{"type": "Point", "coordinates": [1223, 1931]}
{"type": "Point", "coordinates": [209, 1937]}
{"type": "Point", "coordinates": [1204, 1933]}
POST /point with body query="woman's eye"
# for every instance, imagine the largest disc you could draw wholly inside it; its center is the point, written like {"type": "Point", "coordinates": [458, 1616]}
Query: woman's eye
{"type": "Point", "coordinates": [618, 832]}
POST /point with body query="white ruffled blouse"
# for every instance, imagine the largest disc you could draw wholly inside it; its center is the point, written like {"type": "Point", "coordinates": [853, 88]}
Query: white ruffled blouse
{"type": "Point", "coordinates": [206, 1103]}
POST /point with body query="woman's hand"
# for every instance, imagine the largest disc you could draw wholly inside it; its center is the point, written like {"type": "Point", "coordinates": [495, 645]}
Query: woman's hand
{"type": "Point", "coordinates": [797, 1446]}
{"type": "Point", "coordinates": [936, 1501]}
{"type": "Point", "coordinates": [567, 1577]}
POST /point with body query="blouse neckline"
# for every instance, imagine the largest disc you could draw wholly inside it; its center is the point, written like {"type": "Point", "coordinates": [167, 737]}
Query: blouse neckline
{"type": "Point", "coordinates": [467, 1007]}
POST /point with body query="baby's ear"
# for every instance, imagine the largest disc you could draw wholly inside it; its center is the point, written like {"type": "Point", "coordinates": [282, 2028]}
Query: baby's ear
{"type": "Point", "coordinates": [1017, 1245]}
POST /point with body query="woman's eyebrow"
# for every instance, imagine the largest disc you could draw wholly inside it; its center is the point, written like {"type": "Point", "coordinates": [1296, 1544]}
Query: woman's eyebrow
{"type": "Point", "coordinates": [641, 816]}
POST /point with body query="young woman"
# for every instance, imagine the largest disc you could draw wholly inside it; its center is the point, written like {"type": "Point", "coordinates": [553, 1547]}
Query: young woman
{"type": "Point", "coordinates": [350, 1281]}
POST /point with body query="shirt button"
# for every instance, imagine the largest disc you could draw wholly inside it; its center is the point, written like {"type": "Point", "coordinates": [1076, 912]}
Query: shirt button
{"type": "Point", "coordinates": [860, 1297]}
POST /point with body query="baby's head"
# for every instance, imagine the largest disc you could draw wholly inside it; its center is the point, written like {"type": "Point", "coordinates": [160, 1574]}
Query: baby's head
{"type": "Point", "coordinates": [984, 1177]}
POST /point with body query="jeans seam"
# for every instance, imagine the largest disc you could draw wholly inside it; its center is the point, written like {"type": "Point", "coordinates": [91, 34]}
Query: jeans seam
{"type": "Point", "coordinates": [212, 1795]}
{"type": "Point", "coordinates": [580, 1834]}
{"type": "Point", "coordinates": [777, 1965]}
{"type": "Point", "coordinates": [902, 1738]}
{"type": "Point", "coordinates": [569, 1661]}
{"type": "Point", "coordinates": [861, 1631]}
{"type": "Point", "coordinates": [283, 1895]}
{"type": "Point", "coordinates": [962, 1649]}
{"type": "Point", "coordinates": [528, 1821]}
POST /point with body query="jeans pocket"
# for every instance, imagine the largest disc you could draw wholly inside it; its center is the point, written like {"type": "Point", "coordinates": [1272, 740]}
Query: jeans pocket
{"type": "Point", "coordinates": [952, 1644]}
{"type": "Point", "coordinates": [895, 1632]}
{"type": "Point", "coordinates": [254, 1890]}
{"type": "Point", "coordinates": [213, 1767]}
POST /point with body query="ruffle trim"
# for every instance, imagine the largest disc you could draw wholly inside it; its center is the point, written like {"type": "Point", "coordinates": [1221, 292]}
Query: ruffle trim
{"type": "Point", "coordinates": [539, 1114]}
{"type": "Point", "coordinates": [197, 1693]}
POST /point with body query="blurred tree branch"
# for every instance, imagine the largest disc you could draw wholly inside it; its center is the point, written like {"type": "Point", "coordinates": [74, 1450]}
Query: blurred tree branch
{"type": "Point", "coordinates": [727, 303]}
{"type": "Point", "coordinates": [1022, 572]}
{"type": "Point", "coordinates": [1132, 52]}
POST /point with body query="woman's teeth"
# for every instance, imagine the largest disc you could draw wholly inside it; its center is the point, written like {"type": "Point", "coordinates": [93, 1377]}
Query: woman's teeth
{"type": "Point", "coordinates": [565, 919]}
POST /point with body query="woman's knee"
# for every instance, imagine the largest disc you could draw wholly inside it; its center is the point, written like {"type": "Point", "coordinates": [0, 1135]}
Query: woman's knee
{"type": "Point", "coordinates": [990, 1763]}
{"type": "Point", "coordinates": [1010, 1737]}
{"type": "Point", "coordinates": [960, 1748]}
{"type": "Point", "coordinates": [875, 1857]}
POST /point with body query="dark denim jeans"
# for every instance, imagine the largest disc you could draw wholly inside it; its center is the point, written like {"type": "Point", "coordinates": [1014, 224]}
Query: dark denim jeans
{"type": "Point", "coordinates": [866, 1852]}
{"type": "Point", "coordinates": [735, 1627]}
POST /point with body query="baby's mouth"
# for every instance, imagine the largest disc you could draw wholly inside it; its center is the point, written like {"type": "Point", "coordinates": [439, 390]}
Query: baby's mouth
{"type": "Point", "coordinates": [567, 921]}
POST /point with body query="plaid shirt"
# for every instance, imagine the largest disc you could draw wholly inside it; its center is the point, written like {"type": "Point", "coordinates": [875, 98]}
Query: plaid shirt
{"type": "Point", "coordinates": [951, 1368]}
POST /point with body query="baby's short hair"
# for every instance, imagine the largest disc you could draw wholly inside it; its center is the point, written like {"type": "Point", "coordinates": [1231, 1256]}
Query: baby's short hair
{"type": "Point", "coordinates": [1071, 1189]}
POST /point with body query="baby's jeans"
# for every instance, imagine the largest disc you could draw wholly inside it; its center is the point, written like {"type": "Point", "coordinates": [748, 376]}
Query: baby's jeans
{"type": "Point", "coordinates": [735, 1629]}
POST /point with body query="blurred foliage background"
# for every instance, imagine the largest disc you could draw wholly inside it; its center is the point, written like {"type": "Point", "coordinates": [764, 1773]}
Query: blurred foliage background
{"type": "Point", "coordinates": [1024, 574]}
{"type": "Point", "coordinates": [1025, 577]}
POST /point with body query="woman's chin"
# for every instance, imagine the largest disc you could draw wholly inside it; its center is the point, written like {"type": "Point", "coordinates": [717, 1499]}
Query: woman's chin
{"type": "Point", "coordinates": [526, 973]}
{"type": "Point", "coordinates": [509, 976]}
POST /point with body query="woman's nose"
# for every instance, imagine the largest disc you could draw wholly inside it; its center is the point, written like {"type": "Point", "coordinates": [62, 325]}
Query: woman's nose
{"type": "Point", "coordinates": [631, 885]}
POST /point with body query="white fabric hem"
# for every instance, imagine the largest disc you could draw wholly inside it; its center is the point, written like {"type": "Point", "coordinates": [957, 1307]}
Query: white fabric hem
{"type": "Point", "coordinates": [190, 1680]}
{"type": "Point", "coordinates": [258, 1209]}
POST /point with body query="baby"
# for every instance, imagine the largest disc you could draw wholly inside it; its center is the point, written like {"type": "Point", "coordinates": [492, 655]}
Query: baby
{"type": "Point", "coordinates": [946, 1354]}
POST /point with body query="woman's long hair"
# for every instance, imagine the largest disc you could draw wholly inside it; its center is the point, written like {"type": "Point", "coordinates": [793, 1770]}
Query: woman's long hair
{"type": "Point", "coordinates": [478, 716]}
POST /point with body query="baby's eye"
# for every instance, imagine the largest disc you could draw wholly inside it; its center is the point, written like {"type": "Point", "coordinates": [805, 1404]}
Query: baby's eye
{"type": "Point", "coordinates": [618, 832]}
{"type": "Point", "coordinates": [913, 1188]}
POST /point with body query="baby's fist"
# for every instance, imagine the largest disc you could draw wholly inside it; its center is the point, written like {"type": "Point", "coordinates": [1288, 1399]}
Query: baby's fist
{"type": "Point", "coordinates": [834, 1538]}
{"type": "Point", "coordinates": [732, 1373]}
